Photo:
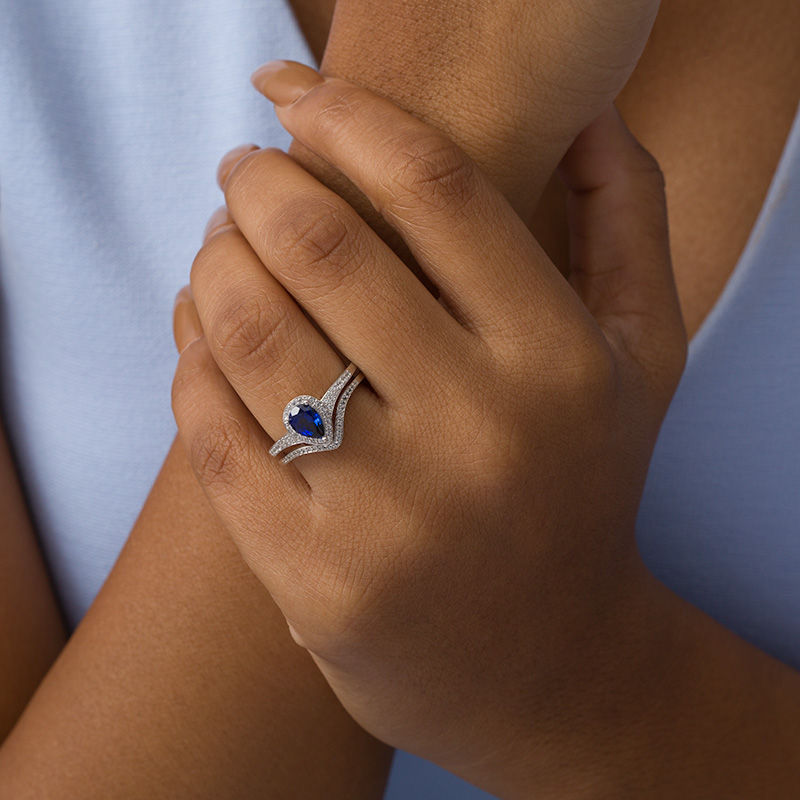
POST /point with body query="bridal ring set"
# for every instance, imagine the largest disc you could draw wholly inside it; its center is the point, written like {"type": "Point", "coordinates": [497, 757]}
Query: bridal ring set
{"type": "Point", "coordinates": [314, 425]}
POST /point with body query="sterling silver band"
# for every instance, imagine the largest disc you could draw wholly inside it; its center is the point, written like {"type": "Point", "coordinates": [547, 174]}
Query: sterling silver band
{"type": "Point", "coordinates": [329, 416]}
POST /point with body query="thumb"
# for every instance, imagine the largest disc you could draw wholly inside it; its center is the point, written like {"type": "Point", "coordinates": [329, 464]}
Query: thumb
{"type": "Point", "coordinates": [619, 248]}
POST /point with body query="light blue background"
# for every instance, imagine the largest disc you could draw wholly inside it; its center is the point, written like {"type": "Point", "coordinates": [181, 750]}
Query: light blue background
{"type": "Point", "coordinates": [112, 119]}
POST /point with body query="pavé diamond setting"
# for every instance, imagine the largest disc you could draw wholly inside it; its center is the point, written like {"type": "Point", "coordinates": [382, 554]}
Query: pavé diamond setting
{"type": "Point", "coordinates": [317, 424]}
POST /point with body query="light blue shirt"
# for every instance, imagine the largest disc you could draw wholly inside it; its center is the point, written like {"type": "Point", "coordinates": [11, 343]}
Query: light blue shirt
{"type": "Point", "coordinates": [112, 119]}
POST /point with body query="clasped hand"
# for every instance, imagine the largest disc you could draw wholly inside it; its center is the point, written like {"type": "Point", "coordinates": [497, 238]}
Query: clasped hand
{"type": "Point", "coordinates": [463, 568]}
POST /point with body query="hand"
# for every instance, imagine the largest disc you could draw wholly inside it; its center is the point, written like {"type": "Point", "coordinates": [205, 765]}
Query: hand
{"type": "Point", "coordinates": [463, 568]}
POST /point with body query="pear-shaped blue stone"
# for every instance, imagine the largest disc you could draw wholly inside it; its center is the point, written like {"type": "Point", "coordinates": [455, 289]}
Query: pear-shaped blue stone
{"type": "Point", "coordinates": [305, 420]}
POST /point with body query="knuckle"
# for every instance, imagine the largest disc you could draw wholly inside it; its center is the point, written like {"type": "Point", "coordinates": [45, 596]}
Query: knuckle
{"type": "Point", "coordinates": [316, 238]}
{"type": "Point", "coordinates": [248, 173]}
{"type": "Point", "coordinates": [252, 332]}
{"type": "Point", "coordinates": [337, 104]}
{"type": "Point", "coordinates": [592, 368]}
{"type": "Point", "coordinates": [307, 233]}
{"type": "Point", "coordinates": [218, 453]}
{"type": "Point", "coordinates": [432, 170]}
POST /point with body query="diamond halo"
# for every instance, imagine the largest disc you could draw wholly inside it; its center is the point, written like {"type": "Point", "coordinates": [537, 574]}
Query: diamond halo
{"type": "Point", "coordinates": [330, 409]}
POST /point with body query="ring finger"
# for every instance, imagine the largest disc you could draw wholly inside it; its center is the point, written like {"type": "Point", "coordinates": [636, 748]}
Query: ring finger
{"type": "Point", "coordinates": [270, 351]}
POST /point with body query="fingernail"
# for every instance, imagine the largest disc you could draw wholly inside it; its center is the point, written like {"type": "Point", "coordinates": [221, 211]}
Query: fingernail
{"type": "Point", "coordinates": [231, 159]}
{"type": "Point", "coordinates": [219, 219]}
{"type": "Point", "coordinates": [283, 82]}
{"type": "Point", "coordinates": [186, 326]}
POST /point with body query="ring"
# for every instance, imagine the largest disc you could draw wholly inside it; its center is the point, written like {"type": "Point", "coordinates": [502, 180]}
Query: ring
{"type": "Point", "coordinates": [315, 424]}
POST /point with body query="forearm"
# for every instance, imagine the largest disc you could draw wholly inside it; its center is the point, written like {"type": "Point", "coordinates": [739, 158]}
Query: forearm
{"type": "Point", "coordinates": [440, 62]}
{"type": "Point", "coordinates": [182, 680]}
{"type": "Point", "coordinates": [31, 627]}
{"type": "Point", "coordinates": [314, 18]}
{"type": "Point", "coordinates": [513, 83]}
{"type": "Point", "coordinates": [685, 708]}
{"type": "Point", "coordinates": [728, 722]}
{"type": "Point", "coordinates": [460, 66]}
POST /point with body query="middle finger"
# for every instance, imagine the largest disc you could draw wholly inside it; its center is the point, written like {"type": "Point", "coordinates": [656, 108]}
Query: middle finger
{"type": "Point", "coordinates": [366, 300]}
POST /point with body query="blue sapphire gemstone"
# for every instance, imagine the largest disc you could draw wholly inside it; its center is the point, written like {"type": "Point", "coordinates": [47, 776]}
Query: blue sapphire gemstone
{"type": "Point", "coordinates": [305, 420]}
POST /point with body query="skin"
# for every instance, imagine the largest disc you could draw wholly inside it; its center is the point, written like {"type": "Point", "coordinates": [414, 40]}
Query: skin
{"type": "Point", "coordinates": [146, 636]}
{"type": "Point", "coordinates": [33, 631]}
{"type": "Point", "coordinates": [608, 680]}
{"type": "Point", "coordinates": [173, 492]}
{"type": "Point", "coordinates": [451, 68]}
{"type": "Point", "coordinates": [714, 193]}
{"type": "Point", "coordinates": [744, 74]}
{"type": "Point", "coordinates": [314, 18]}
